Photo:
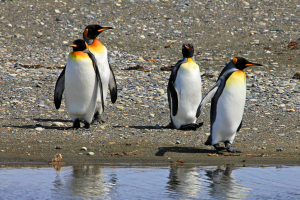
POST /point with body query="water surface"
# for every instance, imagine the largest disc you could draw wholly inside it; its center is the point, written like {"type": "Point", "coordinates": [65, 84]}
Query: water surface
{"type": "Point", "coordinates": [149, 182]}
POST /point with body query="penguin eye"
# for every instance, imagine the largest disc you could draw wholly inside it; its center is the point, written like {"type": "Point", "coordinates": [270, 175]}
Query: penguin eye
{"type": "Point", "coordinates": [234, 61]}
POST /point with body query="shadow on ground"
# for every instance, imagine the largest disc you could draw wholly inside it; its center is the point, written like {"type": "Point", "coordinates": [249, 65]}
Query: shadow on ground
{"type": "Point", "coordinates": [163, 150]}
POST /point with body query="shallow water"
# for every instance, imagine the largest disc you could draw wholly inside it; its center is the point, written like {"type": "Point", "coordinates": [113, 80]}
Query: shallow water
{"type": "Point", "coordinates": [149, 182]}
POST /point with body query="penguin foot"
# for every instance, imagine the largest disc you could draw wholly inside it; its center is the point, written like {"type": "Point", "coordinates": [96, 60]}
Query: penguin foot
{"type": "Point", "coordinates": [76, 124]}
{"type": "Point", "coordinates": [230, 149]}
{"type": "Point", "coordinates": [191, 126]}
{"type": "Point", "coordinates": [97, 118]}
{"type": "Point", "coordinates": [87, 125]}
{"type": "Point", "coordinates": [209, 140]}
{"type": "Point", "coordinates": [218, 147]}
{"type": "Point", "coordinates": [170, 125]}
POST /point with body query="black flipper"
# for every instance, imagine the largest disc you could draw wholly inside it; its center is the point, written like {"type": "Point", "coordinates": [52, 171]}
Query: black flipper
{"type": "Point", "coordinates": [240, 126]}
{"type": "Point", "coordinates": [172, 92]}
{"type": "Point", "coordinates": [97, 76]}
{"type": "Point", "coordinates": [112, 86]}
{"type": "Point", "coordinates": [59, 89]}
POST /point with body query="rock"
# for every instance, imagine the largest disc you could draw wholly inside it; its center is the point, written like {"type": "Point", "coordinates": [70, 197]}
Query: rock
{"type": "Point", "coordinates": [279, 149]}
{"type": "Point", "coordinates": [57, 147]}
{"type": "Point", "coordinates": [83, 149]}
{"type": "Point", "coordinates": [120, 107]}
{"type": "Point", "coordinates": [151, 115]}
{"type": "Point", "coordinates": [56, 11]}
{"type": "Point", "coordinates": [161, 91]}
{"type": "Point", "coordinates": [177, 142]}
{"type": "Point", "coordinates": [57, 124]}
{"type": "Point", "coordinates": [39, 129]}
{"type": "Point", "coordinates": [157, 126]}
{"type": "Point", "coordinates": [90, 153]}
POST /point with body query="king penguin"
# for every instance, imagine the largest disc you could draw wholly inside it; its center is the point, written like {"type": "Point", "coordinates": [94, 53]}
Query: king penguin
{"type": "Point", "coordinates": [106, 73]}
{"type": "Point", "coordinates": [184, 91]}
{"type": "Point", "coordinates": [227, 105]}
{"type": "Point", "coordinates": [81, 82]}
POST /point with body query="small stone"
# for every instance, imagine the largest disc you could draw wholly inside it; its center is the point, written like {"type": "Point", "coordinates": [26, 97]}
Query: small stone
{"type": "Point", "coordinates": [279, 149]}
{"type": "Point", "coordinates": [281, 134]}
{"type": "Point", "coordinates": [157, 126]}
{"type": "Point", "coordinates": [133, 132]}
{"type": "Point", "coordinates": [40, 141]}
{"type": "Point", "coordinates": [72, 10]}
{"type": "Point", "coordinates": [290, 110]}
{"type": "Point", "coordinates": [58, 19]}
{"type": "Point", "coordinates": [151, 115]}
{"type": "Point", "coordinates": [264, 148]}
{"type": "Point", "coordinates": [83, 149]}
{"type": "Point", "coordinates": [57, 147]}
{"type": "Point", "coordinates": [120, 107]}
{"type": "Point", "coordinates": [40, 33]}
{"type": "Point", "coordinates": [141, 59]}
{"type": "Point", "coordinates": [58, 124]}
{"type": "Point", "coordinates": [39, 129]}
{"type": "Point", "coordinates": [177, 142]}
{"type": "Point", "coordinates": [90, 153]}
{"type": "Point", "coordinates": [89, 16]}
{"type": "Point", "coordinates": [56, 11]}
{"type": "Point", "coordinates": [161, 91]}
{"type": "Point", "coordinates": [2, 150]}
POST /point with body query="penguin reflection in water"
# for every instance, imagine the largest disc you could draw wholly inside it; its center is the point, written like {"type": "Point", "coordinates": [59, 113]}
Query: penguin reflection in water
{"type": "Point", "coordinates": [106, 74]}
{"type": "Point", "coordinates": [227, 105]}
{"type": "Point", "coordinates": [81, 80]}
{"type": "Point", "coordinates": [184, 92]}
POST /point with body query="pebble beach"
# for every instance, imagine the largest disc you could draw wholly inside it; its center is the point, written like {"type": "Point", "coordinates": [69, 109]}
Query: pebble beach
{"type": "Point", "coordinates": [147, 38]}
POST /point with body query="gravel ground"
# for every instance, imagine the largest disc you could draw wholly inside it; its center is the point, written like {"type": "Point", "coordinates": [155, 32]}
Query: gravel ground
{"type": "Point", "coordinates": [149, 34]}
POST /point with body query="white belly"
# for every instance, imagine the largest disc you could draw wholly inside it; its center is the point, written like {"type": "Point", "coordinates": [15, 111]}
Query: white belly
{"type": "Point", "coordinates": [104, 70]}
{"type": "Point", "coordinates": [229, 114]}
{"type": "Point", "coordinates": [80, 89]}
{"type": "Point", "coordinates": [188, 85]}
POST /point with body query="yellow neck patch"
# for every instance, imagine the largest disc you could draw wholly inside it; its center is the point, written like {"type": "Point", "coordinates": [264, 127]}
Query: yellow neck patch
{"type": "Point", "coordinates": [236, 78]}
{"type": "Point", "coordinates": [189, 65]}
{"type": "Point", "coordinates": [97, 46]}
{"type": "Point", "coordinates": [78, 55]}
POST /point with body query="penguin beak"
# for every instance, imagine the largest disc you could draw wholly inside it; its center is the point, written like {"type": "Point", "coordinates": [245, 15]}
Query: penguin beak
{"type": "Point", "coordinates": [104, 29]}
{"type": "Point", "coordinates": [186, 47]}
{"type": "Point", "coordinates": [71, 45]}
{"type": "Point", "coordinates": [253, 64]}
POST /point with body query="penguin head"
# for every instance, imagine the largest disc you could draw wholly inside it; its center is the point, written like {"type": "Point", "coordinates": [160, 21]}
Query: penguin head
{"type": "Point", "coordinates": [242, 63]}
{"type": "Point", "coordinates": [92, 31]}
{"type": "Point", "coordinates": [78, 45]}
{"type": "Point", "coordinates": [187, 50]}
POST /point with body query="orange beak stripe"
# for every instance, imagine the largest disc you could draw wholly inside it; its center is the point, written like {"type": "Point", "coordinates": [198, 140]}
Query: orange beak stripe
{"type": "Point", "coordinates": [103, 29]}
{"type": "Point", "coordinates": [72, 45]}
{"type": "Point", "coordinates": [248, 65]}
{"type": "Point", "coordinates": [186, 47]}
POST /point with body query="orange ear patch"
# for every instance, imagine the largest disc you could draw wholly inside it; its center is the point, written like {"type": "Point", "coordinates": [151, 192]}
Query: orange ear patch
{"type": "Point", "coordinates": [85, 33]}
{"type": "Point", "coordinates": [234, 61]}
